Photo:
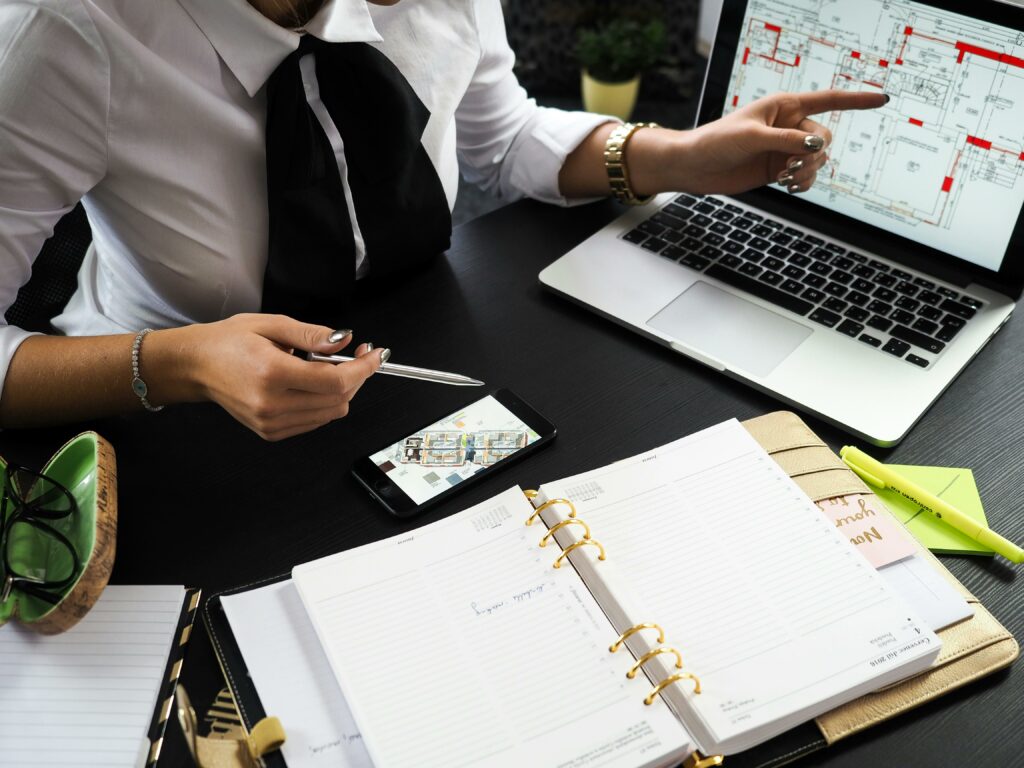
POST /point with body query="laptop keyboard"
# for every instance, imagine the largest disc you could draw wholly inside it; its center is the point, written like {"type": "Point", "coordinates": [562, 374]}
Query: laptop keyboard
{"type": "Point", "coordinates": [884, 306]}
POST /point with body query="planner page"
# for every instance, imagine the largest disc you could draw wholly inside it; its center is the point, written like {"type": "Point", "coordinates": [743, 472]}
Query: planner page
{"type": "Point", "coordinates": [293, 679]}
{"type": "Point", "coordinates": [458, 644]}
{"type": "Point", "coordinates": [87, 696]}
{"type": "Point", "coordinates": [771, 607]}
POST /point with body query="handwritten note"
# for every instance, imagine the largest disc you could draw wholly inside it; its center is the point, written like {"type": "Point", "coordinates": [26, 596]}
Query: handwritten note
{"type": "Point", "coordinates": [870, 528]}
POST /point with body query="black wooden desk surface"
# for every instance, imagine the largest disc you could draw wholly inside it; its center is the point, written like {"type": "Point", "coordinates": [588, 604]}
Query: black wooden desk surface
{"type": "Point", "coordinates": [203, 502]}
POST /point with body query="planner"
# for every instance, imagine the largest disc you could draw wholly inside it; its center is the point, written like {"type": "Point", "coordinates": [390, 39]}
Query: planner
{"type": "Point", "coordinates": [741, 619]}
{"type": "Point", "coordinates": [101, 692]}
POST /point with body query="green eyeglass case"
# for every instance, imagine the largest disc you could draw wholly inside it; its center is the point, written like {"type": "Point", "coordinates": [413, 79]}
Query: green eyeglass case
{"type": "Point", "coordinates": [85, 465]}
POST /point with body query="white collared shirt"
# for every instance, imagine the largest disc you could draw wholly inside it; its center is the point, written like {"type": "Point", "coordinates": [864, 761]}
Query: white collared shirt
{"type": "Point", "coordinates": [152, 113]}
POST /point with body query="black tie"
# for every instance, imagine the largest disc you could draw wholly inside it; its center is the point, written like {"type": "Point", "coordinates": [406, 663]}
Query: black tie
{"type": "Point", "coordinates": [400, 204]}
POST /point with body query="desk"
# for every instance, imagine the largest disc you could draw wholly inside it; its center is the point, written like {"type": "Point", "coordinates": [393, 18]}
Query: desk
{"type": "Point", "coordinates": [204, 502]}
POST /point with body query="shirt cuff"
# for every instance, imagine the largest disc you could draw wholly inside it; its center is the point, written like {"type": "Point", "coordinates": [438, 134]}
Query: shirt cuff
{"type": "Point", "coordinates": [546, 140]}
{"type": "Point", "coordinates": [10, 339]}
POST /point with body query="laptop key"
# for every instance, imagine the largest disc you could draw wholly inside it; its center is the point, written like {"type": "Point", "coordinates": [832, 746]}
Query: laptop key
{"type": "Point", "coordinates": [751, 255]}
{"type": "Point", "coordinates": [901, 274]}
{"type": "Point", "coordinates": [762, 231]}
{"type": "Point", "coordinates": [850, 328]}
{"type": "Point", "coordinates": [672, 236]}
{"type": "Point", "coordinates": [821, 254]}
{"type": "Point", "coordinates": [925, 326]}
{"type": "Point", "coordinates": [678, 211]}
{"type": "Point", "coordinates": [713, 201]}
{"type": "Point", "coordinates": [928, 284]}
{"type": "Point", "coordinates": [654, 244]}
{"type": "Point", "coordinates": [710, 252]}
{"type": "Point", "coordinates": [773, 263]}
{"type": "Point", "coordinates": [731, 246]}
{"type": "Point", "coordinates": [953, 321]}
{"type": "Point", "coordinates": [917, 338]}
{"type": "Point", "coordinates": [885, 294]}
{"type": "Point", "coordinates": [857, 298]}
{"type": "Point", "coordinates": [799, 260]}
{"type": "Point", "coordinates": [916, 360]}
{"type": "Point", "coordinates": [760, 243]}
{"type": "Point", "coordinates": [704, 207]}
{"type": "Point", "coordinates": [793, 271]}
{"type": "Point", "coordinates": [779, 251]}
{"type": "Point", "coordinates": [720, 228]}
{"type": "Point", "coordinates": [673, 252]}
{"type": "Point", "coordinates": [781, 238]}
{"type": "Point", "coordinates": [835, 289]}
{"type": "Point", "coordinates": [896, 347]}
{"type": "Point", "coordinates": [972, 303]}
{"type": "Point", "coordinates": [930, 313]}
{"type": "Point", "coordinates": [813, 280]}
{"type": "Point", "coordinates": [713, 238]}
{"type": "Point", "coordinates": [813, 240]}
{"type": "Point", "coordinates": [757, 288]}
{"type": "Point", "coordinates": [733, 262]}
{"type": "Point", "coordinates": [884, 280]}
{"type": "Point", "coordinates": [701, 220]}
{"type": "Point", "coordinates": [879, 307]}
{"type": "Point", "coordinates": [773, 224]}
{"type": "Point", "coordinates": [858, 257]}
{"type": "Point", "coordinates": [772, 278]}
{"type": "Point", "coordinates": [741, 223]}
{"type": "Point", "coordinates": [824, 317]}
{"type": "Point", "coordinates": [948, 292]}
{"type": "Point", "coordinates": [793, 232]}
{"type": "Point", "coordinates": [791, 286]}
{"type": "Point", "coordinates": [841, 262]}
{"type": "Point", "coordinates": [686, 200]}
{"type": "Point", "coordinates": [820, 268]}
{"type": "Point", "coordinates": [879, 323]}
{"type": "Point", "coordinates": [835, 248]}
{"type": "Point", "coordinates": [813, 294]}
{"type": "Point", "coordinates": [667, 220]}
{"type": "Point", "coordinates": [739, 236]}
{"type": "Point", "coordinates": [834, 304]}
{"type": "Point", "coordinates": [722, 215]}
{"type": "Point", "coordinates": [691, 244]}
{"type": "Point", "coordinates": [862, 270]}
{"type": "Point", "coordinates": [871, 340]}
{"type": "Point", "coordinates": [958, 309]}
{"type": "Point", "coordinates": [753, 216]}
{"type": "Point", "coordinates": [635, 236]}
{"type": "Point", "coordinates": [906, 288]}
{"type": "Point", "coordinates": [694, 261]}
{"type": "Point", "coordinates": [907, 303]}
{"type": "Point", "coordinates": [902, 316]}
{"type": "Point", "coordinates": [841, 277]}
{"type": "Point", "coordinates": [929, 297]}
{"type": "Point", "coordinates": [881, 266]}
{"type": "Point", "coordinates": [651, 227]}
{"type": "Point", "coordinates": [750, 268]}
{"type": "Point", "coordinates": [946, 333]}
{"type": "Point", "coordinates": [733, 208]}
{"type": "Point", "coordinates": [802, 247]}
{"type": "Point", "coordinates": [857, 313]}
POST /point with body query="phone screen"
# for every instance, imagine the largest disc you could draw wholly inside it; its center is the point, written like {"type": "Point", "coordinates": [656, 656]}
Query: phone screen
{"type": "Point", "coordinates": [453, 449]}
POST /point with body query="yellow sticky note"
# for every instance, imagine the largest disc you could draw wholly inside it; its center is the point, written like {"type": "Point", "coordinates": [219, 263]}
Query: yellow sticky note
{"type": "Point", "coordinates": [951, 484]}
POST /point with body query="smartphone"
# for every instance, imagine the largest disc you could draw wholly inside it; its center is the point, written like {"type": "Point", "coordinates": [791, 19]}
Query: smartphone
{"type": "Point", "coordinates": [438, 460]}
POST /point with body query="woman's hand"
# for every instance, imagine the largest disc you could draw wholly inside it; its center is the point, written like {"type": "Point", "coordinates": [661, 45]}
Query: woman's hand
{"type": "Point", "coordinates": [771, 140]}
{"type": "Point", "coordinates": [245, 364]}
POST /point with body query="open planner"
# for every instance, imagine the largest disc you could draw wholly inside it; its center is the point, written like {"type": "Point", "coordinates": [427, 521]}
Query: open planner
{"type": "Point", "coordinates": [692, 598]}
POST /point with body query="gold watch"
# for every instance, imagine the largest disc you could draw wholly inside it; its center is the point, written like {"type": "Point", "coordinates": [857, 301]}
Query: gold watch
{"type": "Point", "coordinates": [615, 162]}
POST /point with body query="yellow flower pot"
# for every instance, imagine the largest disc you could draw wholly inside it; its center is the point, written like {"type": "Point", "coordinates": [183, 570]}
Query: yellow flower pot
{"type": "Point", "coordinates": [616, 99]}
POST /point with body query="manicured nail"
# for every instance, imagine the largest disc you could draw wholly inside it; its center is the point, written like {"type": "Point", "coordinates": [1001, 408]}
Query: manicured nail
{"type": "Point", "coordinates": [337, 336]}
{"type": "Point", "coordinates": [793, 189]}
{"type": "Point", "coordinates": [888, 98]}
{"type": "Point", "coordinates": [796, 165]}
{"type": "Point", "coordinates": [785, 180]}
{"type": "Point", "coordinates": [385, 355]}
{"type": "Point", "coordinates": [369, 346]}
{"type": "Point", "coordinates": [813, 142]}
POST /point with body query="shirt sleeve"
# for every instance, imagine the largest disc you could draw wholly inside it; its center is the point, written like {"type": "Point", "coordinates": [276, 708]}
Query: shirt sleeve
{"type": "Point", "coordinates": [54, 101]}
{"type": "Point", "coordinates": [506, 143]}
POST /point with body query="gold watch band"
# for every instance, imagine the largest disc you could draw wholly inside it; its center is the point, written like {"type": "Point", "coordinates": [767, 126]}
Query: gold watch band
{"type": "Point", "coordinates": [615, 162]}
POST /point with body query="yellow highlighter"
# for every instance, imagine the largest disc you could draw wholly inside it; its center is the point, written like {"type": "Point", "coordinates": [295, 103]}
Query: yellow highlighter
{"type": "Point", "coordinates": [879, 475]}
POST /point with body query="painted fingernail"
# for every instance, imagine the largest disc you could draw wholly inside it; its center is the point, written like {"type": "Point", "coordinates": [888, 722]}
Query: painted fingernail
{"type": "Point", "coordinates": [796, 165]}
{"type": "Point", "coordinates": [785, 180]}
{"type": "Point", "coordinates": [888, 98]}
{"type": "Point", "coordinates": [369, 346]}
{"type": "Point", "coordinates": [385, 355]}
{"type": "Point", "coordinates": [813, 142]}
{"type": "Point", "coordinates": [793, 188]}
{"type": "Point", "coordinates": [337, 336]}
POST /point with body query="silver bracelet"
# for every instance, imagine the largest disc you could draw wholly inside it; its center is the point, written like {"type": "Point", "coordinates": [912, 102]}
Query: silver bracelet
{"type": "Point", "coordinates": [138, 385]}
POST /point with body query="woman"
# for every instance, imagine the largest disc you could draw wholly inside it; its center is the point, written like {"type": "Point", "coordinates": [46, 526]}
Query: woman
{"type": "Point", "coordinates": [203, 138]}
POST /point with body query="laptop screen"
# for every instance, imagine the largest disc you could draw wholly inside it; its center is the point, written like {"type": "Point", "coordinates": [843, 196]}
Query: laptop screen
{"type": "Point", "coordinates": [943, 162]}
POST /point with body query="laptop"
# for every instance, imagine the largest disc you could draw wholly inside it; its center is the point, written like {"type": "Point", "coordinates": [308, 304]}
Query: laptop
{"type": "Point", "coordinates": [861, 300]}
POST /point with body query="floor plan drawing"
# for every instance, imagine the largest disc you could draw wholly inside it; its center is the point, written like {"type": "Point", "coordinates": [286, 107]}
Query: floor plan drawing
{"type": "Point", "coordinates": [945, 157]}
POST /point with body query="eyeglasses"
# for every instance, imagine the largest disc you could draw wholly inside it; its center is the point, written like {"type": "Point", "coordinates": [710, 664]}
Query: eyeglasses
{"type": "Point", "coordinates": [38, 559]}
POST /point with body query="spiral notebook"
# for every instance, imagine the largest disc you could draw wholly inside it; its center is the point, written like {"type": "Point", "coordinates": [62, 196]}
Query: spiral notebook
{"type": "Point", "coordinates": [735, 609]}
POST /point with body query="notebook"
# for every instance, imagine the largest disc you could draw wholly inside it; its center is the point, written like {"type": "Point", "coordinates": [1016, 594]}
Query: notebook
{"type": "Point", "coordinates": [100, 693]}
{"type": "Point", "coordinates": [462, 632]}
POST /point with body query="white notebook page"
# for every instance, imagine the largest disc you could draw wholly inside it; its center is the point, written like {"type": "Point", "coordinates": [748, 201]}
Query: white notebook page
{"type": "Point", "coordinates": [773, 609]}
{"type": "Point", "coordinates": [87, 696]}
{"type": "Point", "coordinates": [293, 679]}
{"type": "Point", "coordinates": [458, 644]}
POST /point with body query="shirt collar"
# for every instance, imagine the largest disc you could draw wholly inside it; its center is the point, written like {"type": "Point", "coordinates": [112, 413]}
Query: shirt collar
{"type": "Point", "coordinates": [252, 46]}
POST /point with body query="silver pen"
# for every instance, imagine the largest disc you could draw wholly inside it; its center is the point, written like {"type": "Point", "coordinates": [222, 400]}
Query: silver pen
{"type": "Point", "coordinates": [408, 371]}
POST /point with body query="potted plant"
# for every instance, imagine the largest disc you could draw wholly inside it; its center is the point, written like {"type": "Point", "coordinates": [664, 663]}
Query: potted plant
{"type": "Point", "coordinates": [613, 57]}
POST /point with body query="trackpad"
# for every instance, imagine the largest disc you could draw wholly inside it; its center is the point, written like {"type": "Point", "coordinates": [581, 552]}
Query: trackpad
{"type": "Point", "coordinates": [738, 333]}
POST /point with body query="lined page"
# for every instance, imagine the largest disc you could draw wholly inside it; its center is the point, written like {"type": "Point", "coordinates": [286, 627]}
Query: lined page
{"type": "Point", "coordinates": [293, 679]}
{"type": "Point", "coordinates": [458, 644]}
{"type": "Point", "coordinates": [773, 609]}
{"type": "Point", "coordinates": [87, 696]}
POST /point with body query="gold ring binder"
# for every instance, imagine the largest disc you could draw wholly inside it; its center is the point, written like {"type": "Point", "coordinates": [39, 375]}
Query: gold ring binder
{"type": "Point", "coordinates": [546, 504]}
{"type": "Point", "coordinates": [563, 524]}
{"type": "Point", "coordinates": [636, 628]}
{"type": "Point", "coordinates": [577, 545]}
{"type": "Point", "coordinates": [668, 681]}
{"type": "Point", "coordinates": [650, 655]}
